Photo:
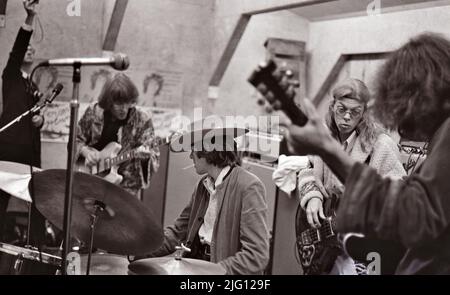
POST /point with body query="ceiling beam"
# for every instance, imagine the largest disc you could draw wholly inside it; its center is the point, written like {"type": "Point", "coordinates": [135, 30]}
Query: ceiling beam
{"type": "Point", "coordinates": [227, 54]}
{"type": "Point", "coordinates": [288, 6]}
{"type": "Point", "coordinates": [337, 68]}
{"type": "Point", "coordinates": [114, 25]}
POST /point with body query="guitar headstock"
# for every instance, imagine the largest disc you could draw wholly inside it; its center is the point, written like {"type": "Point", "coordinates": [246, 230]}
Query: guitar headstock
{"type": "Point", "coordinates": [267, 74]}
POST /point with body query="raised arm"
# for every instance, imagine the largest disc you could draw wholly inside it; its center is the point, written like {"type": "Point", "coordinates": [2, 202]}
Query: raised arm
{"type": "Point", "coordinates": [12, 69]}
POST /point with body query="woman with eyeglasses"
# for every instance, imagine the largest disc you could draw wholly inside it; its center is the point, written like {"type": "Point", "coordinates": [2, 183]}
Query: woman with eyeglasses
{"type": "Point", "coordinates": [365, 141]}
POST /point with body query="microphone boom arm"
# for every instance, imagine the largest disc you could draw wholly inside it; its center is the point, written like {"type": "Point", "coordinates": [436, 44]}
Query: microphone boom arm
{"type": "Point", "coordinates": [34, 109]}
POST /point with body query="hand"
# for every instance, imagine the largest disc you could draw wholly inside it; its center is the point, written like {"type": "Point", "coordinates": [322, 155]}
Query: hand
{"type": "Point", "coordinates": [30, 7]}
{"type": "Point", "coordinates": [312, 139]}
{"type": "Point", "coordinates": [143, 152]}
{"type": "Point", "coordinates": [37, 121]}
{"type": "Point", "coordinates": [314, 210]}
{"type": "Point", "coordinates": [91, 156]}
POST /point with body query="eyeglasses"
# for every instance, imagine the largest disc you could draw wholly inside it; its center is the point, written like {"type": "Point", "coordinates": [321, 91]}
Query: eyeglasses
{"type": "Point", "coordinates": [354, 113]}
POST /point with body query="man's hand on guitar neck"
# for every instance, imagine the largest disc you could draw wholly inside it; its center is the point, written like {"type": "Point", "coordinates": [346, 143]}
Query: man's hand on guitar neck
{"type": "Point", "coordinates": [91, 155]}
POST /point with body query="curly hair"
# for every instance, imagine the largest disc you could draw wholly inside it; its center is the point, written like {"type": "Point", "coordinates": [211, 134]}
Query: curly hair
{"type": "Point", "coordinates": [367, 128]}
{"type": "Point", "coordinates": [119, 89]}
{"type": "Point", "coordinates": [413, 86]}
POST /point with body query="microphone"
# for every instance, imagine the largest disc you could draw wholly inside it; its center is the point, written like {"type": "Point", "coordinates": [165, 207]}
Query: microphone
{"type": "Point", "coordinates": [55, 93]}
{"type": "Point", "coordinates": [118, 61]}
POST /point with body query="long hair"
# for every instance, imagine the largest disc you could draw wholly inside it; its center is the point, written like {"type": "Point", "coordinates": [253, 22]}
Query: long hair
{"type": "Point", "coordinates": [413, 86]}
{"type": "Point", "coordinates": [367, 129]}
{"type": "Point", "coordinates": [119, 89]}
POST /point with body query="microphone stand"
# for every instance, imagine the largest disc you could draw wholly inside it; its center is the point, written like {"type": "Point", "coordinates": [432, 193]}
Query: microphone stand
{"type": "Point", "coordinates": [74, 105]}
{"type": "Point", "coordinates": [32, 110]}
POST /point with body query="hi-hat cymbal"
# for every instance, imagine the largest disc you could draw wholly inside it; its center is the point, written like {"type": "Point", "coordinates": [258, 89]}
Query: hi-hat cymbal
{"type": "Point", "coordinates": [170, 265]}
{"type": "Point", "coordinates": [14, 179]}
{"type": "Point", "coordinates": [125, 226]}
{"type": "Point", "coordinates": [17, 168]}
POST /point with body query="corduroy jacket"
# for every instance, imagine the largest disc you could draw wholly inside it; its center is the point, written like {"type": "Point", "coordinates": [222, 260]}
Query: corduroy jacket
{"type": "Point", "coordinates": [240, 240]}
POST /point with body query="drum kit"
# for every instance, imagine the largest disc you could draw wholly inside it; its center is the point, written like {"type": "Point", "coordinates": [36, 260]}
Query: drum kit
{"type": "Point", "coordinates": [104, 216]}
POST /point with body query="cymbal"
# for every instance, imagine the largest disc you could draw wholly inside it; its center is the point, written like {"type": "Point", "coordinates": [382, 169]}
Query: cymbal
{"type": "Point", "coordinates": [170, 265]}
{"type": "Point", "coordinates": [17, 168]}
{"type": "Point", "coordinates": [125, 226]}
{"type": "Point", "coordinates": [14, 179]}
{"type": "Point", "coordinates": [105, 264]}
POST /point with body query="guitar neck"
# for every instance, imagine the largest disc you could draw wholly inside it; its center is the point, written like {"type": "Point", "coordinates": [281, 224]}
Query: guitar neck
{"type": "Point", "coordinates": [131, 154]}
{"type": "Point", "coordinates": [266, 75]}
{"type": "Point", "coordinates": [313, 236]}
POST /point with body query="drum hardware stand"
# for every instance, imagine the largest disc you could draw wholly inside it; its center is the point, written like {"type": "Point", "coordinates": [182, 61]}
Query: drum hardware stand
{"type": "Point", "coordinates": [18, 264]}
{"type": "Point", "coordinates": [180, 251]}
{"type": "Point", "coordinates": [96, 208]}
{"type": "Point", "coordinates": [74, 105]}
{"type": "Point", "coordinates": [28, 224]}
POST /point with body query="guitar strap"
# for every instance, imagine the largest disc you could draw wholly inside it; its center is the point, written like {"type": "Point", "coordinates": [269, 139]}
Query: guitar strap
{"type": "Point", "coordinates": [119, 135]}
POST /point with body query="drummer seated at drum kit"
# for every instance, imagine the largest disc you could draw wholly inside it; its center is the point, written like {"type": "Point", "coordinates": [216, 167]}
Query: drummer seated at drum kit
{"type": "Point", "coordinates": [225, 221]}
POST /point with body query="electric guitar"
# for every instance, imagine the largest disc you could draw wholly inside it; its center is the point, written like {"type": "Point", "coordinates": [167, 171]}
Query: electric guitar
{"type": "Point", "coordinates": [110, 159]}
{"type": "Point", "coordinates": [317, 247]}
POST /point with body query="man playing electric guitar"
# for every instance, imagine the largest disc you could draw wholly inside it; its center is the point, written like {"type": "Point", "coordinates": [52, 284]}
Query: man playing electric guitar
{"type": "Point", "coordinates": [113, 124]}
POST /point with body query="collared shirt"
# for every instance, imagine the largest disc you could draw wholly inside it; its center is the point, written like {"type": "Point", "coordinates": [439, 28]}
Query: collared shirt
{"type": "Point", "coordinates": [333, 185]}
{"type": "Point", "coordinates": [350, 142]}
{"type": "Point", "coordinates": [206, 230]}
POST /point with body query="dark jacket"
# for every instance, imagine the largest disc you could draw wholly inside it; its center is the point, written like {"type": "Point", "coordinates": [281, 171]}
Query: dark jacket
{"type": "Point", "coordinates": [415, 211]}
{"type": "Point", "coordinates": [21, 142]}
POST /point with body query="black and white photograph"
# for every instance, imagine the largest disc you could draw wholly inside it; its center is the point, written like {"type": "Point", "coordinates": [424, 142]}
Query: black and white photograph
{"type": "Point", "coordinates": [225, 144]}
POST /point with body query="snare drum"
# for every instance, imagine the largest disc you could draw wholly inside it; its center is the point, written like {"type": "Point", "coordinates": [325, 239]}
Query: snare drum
{"type": "Point", "coordinates": [22, 261]}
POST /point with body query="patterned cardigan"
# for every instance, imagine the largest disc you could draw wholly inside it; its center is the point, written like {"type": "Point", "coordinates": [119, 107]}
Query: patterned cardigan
{"type": "Point", "coordinates": [319, 181]}
{"type": "Point", "coordinates": [138, 130]}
